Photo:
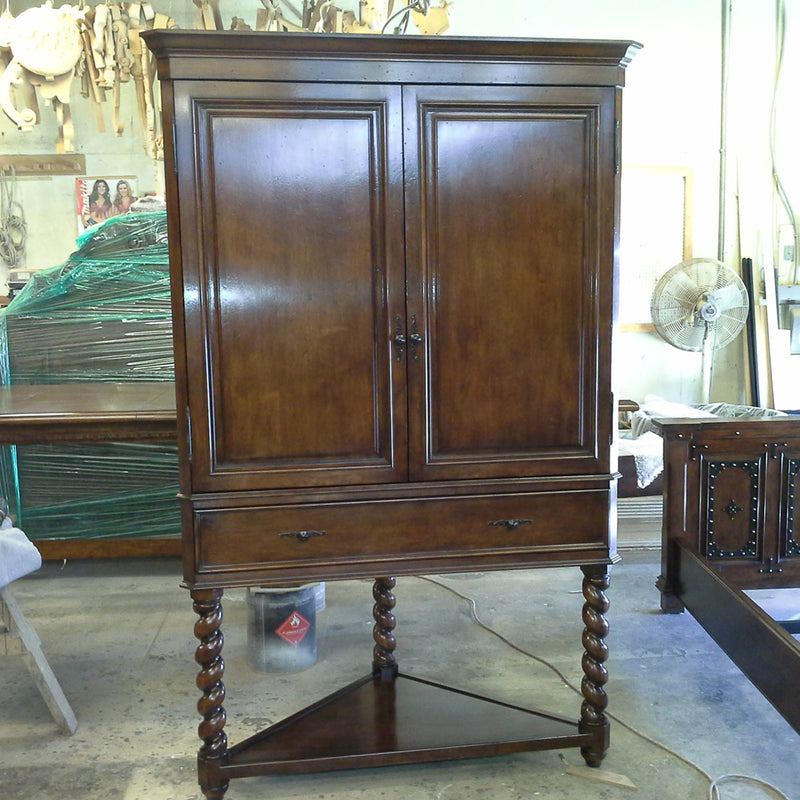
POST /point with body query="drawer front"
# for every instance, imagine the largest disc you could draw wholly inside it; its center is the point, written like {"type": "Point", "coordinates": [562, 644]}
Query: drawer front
{"type": "Point", "coordinates": [292, 536]}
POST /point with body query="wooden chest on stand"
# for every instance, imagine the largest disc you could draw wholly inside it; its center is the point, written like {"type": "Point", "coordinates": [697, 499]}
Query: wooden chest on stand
{"type": "Point", "coordinates": [393, 265]}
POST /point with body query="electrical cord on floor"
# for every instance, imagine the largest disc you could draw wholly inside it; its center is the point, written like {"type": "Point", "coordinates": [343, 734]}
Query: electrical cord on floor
{"type": "Point", "coordinates": [714, 784]}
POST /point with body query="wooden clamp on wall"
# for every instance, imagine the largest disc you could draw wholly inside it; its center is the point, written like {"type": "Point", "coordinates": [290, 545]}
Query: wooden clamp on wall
{"type": "Point", "coordinates": [44, 164]}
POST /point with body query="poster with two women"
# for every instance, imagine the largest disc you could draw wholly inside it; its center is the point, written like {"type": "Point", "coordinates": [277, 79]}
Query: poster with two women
{"type": "Point", "coordinates": [101, 198]}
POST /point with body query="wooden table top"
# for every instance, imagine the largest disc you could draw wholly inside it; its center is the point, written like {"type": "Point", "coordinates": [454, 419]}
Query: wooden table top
{"type": "Point", "coordinates": [83, 412]}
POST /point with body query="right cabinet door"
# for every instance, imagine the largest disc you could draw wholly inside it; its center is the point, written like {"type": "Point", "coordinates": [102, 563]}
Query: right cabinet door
{"type": "Point", "coordinates": [510, 207]}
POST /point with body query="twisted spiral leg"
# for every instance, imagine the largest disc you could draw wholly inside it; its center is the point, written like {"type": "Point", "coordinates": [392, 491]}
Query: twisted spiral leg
{"type": "Point", "coordinates": [595, 675]}
{"type": "Point", "coordinates": [209, 680]}
{"type": "Point", "coordinates": [383, 661]}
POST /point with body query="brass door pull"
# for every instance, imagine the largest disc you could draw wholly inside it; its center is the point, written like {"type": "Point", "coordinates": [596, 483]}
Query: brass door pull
{"type": "Point", "coordinates": [510, 524]}
{"type": "Point", "coordinates": [399, 339]}
{"type": "Point", "coordinates": [303, 536]}
{"type": "Point", "coordinates": [414, 338]}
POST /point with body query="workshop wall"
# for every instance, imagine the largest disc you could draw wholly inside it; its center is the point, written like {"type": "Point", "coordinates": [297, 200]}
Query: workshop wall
{"type": "Point", "coordinates": [672, 110]}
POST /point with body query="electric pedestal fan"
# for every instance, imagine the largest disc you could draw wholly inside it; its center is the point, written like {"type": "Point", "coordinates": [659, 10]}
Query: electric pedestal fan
{"type": "Point", "coordinates": [700, 305]}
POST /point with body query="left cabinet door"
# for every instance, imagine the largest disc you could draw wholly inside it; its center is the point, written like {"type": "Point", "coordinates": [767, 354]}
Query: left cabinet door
{"type": "Point", "coordinates": [291, 268]}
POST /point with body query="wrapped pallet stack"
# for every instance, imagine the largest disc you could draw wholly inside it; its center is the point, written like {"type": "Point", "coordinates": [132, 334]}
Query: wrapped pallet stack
{"type": "Point", "coordinates": [103, 315]}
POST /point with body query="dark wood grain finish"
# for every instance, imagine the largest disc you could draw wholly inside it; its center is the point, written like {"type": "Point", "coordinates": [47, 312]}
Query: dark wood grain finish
{"type": "Point", "coordinates": [148, 547]}
{"type": "Point", "coordinates": [595, 675]}
{"type": "Point", "coordinates": [329, 232]}
{"type": "Point", "coordinates": [383, 660]}
{"type": "Point", "coordinates": [393, 265]}
{"type": "Point", "coordinates": [513, 180]}
{"type": "Point", "coordinates": [359, 536]}
{"type": "Point", "coordinates": [87, 412]}
{"type": "Point", "coordinates": [766, 653]}
{"type": "Point", "coordinates": [91, 412]}
{"type": "Point", "coordinates": [730, 490]}
{"type": "Point", "coordinates": [184, 55]}
{"type": "Point", "coordinates": [420, 722]}
{"type": "Point", "coordinates": [209, 680]}
{"type": "Point", "coordinates": [729, 497]}
{"type": "Point", "coordinates": [332, 408]}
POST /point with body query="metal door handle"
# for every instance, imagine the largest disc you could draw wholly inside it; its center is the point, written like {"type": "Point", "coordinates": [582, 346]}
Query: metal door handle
{"type": "Point", "coordinates": [510, 524]}
{"type": "Point", "coordinates": [399, 338]}
{"type": "Point", "coordinates": [303, 536]}
{"type": "Point", "coordinates": [414, 338]}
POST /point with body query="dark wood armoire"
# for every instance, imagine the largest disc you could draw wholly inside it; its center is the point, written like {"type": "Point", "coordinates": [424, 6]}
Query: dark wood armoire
{"type": "Point", "coordinates": [393, 265]}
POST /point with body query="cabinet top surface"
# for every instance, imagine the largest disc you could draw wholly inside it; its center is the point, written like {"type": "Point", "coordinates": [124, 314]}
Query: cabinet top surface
{"type": "Point", "coordinates": [38, 414]}
{"type": "Point", "coordinates": [238, 46]}
{"type": "Point", "coordinates": [723, 427]}
{"type": "Point", "coordinates": [81, 399]}
{"type": "Point", "coordinates": [212, 43]}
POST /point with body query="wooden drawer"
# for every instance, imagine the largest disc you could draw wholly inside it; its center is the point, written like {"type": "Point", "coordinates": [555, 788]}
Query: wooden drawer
{"type": "Point", "coordinates": [393, 531]}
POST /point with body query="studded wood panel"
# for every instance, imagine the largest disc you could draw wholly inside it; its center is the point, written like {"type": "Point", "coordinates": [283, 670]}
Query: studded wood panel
{"type": "Point", "coordinates": [792, 536]}
{"type": "Point", "coordinates": [732, 504]}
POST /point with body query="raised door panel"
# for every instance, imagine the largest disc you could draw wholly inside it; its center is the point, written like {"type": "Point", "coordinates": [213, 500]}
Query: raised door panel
{"type": "Point", "coordinates": [745, 498]}
{"type": "Point", "coordinates": [510, 252]}
{"type": "Point", "coordinates": [292, 258]}
{"type": "Point", "coordinates": [790, 547]}
{"type": "Point", "coordinates": [732, 502]}
{"type": "Point", "coordinates": [785, 454]}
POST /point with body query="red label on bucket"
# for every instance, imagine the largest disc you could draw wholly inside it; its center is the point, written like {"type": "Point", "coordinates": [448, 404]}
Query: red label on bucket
{"type": "Point", "coordinates": [294, 628]}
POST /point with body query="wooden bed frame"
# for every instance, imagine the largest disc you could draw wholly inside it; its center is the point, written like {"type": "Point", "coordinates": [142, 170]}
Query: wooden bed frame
{"type": "Point", "coordinates": [730, 490]}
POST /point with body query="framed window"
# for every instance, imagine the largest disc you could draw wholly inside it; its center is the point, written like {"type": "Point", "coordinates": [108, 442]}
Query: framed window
{"type": "Point", "coordinates": [655, 234]}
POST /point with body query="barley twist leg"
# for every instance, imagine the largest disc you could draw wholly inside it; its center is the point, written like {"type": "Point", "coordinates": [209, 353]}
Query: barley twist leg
{"type": "Point", "coordinates": [383, 661]}
{"type": "Point", "coordinates": [595, 675]}
{"type": "Point", "coordinates": [209, 680]}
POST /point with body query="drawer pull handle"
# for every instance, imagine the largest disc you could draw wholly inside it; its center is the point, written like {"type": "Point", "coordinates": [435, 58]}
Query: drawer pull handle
{"type": "Point", "coordinates": [303, 536]}
{"type": "Point", "coordinates": [510, 524]}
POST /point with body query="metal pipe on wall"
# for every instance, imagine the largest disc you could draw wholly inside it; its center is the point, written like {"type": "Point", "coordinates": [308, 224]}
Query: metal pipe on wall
{"type": "Point", "coordinates": [723, 127]}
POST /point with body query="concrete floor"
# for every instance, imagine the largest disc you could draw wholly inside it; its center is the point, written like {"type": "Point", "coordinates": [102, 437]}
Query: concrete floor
{"type": "Point", "coordinates": [119, 638]}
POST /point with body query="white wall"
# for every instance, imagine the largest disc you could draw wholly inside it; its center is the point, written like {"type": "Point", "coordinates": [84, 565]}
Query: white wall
{"type": "Point", "coordinates": [671, 119]}
{"type": "Point", "coordinates": [49, 202]}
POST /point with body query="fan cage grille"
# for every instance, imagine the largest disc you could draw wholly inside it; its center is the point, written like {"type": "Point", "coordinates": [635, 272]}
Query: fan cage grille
{"type": "Point", "coordinates": [680, 295]}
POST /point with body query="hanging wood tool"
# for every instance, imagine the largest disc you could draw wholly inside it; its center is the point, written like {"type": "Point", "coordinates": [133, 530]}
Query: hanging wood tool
{"type": "Point", "coordinates": [207, 15]}
{"type": "Point", "coordinates": [44, 48]}
{"type": "Point", "coordinates": [45, 45]}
